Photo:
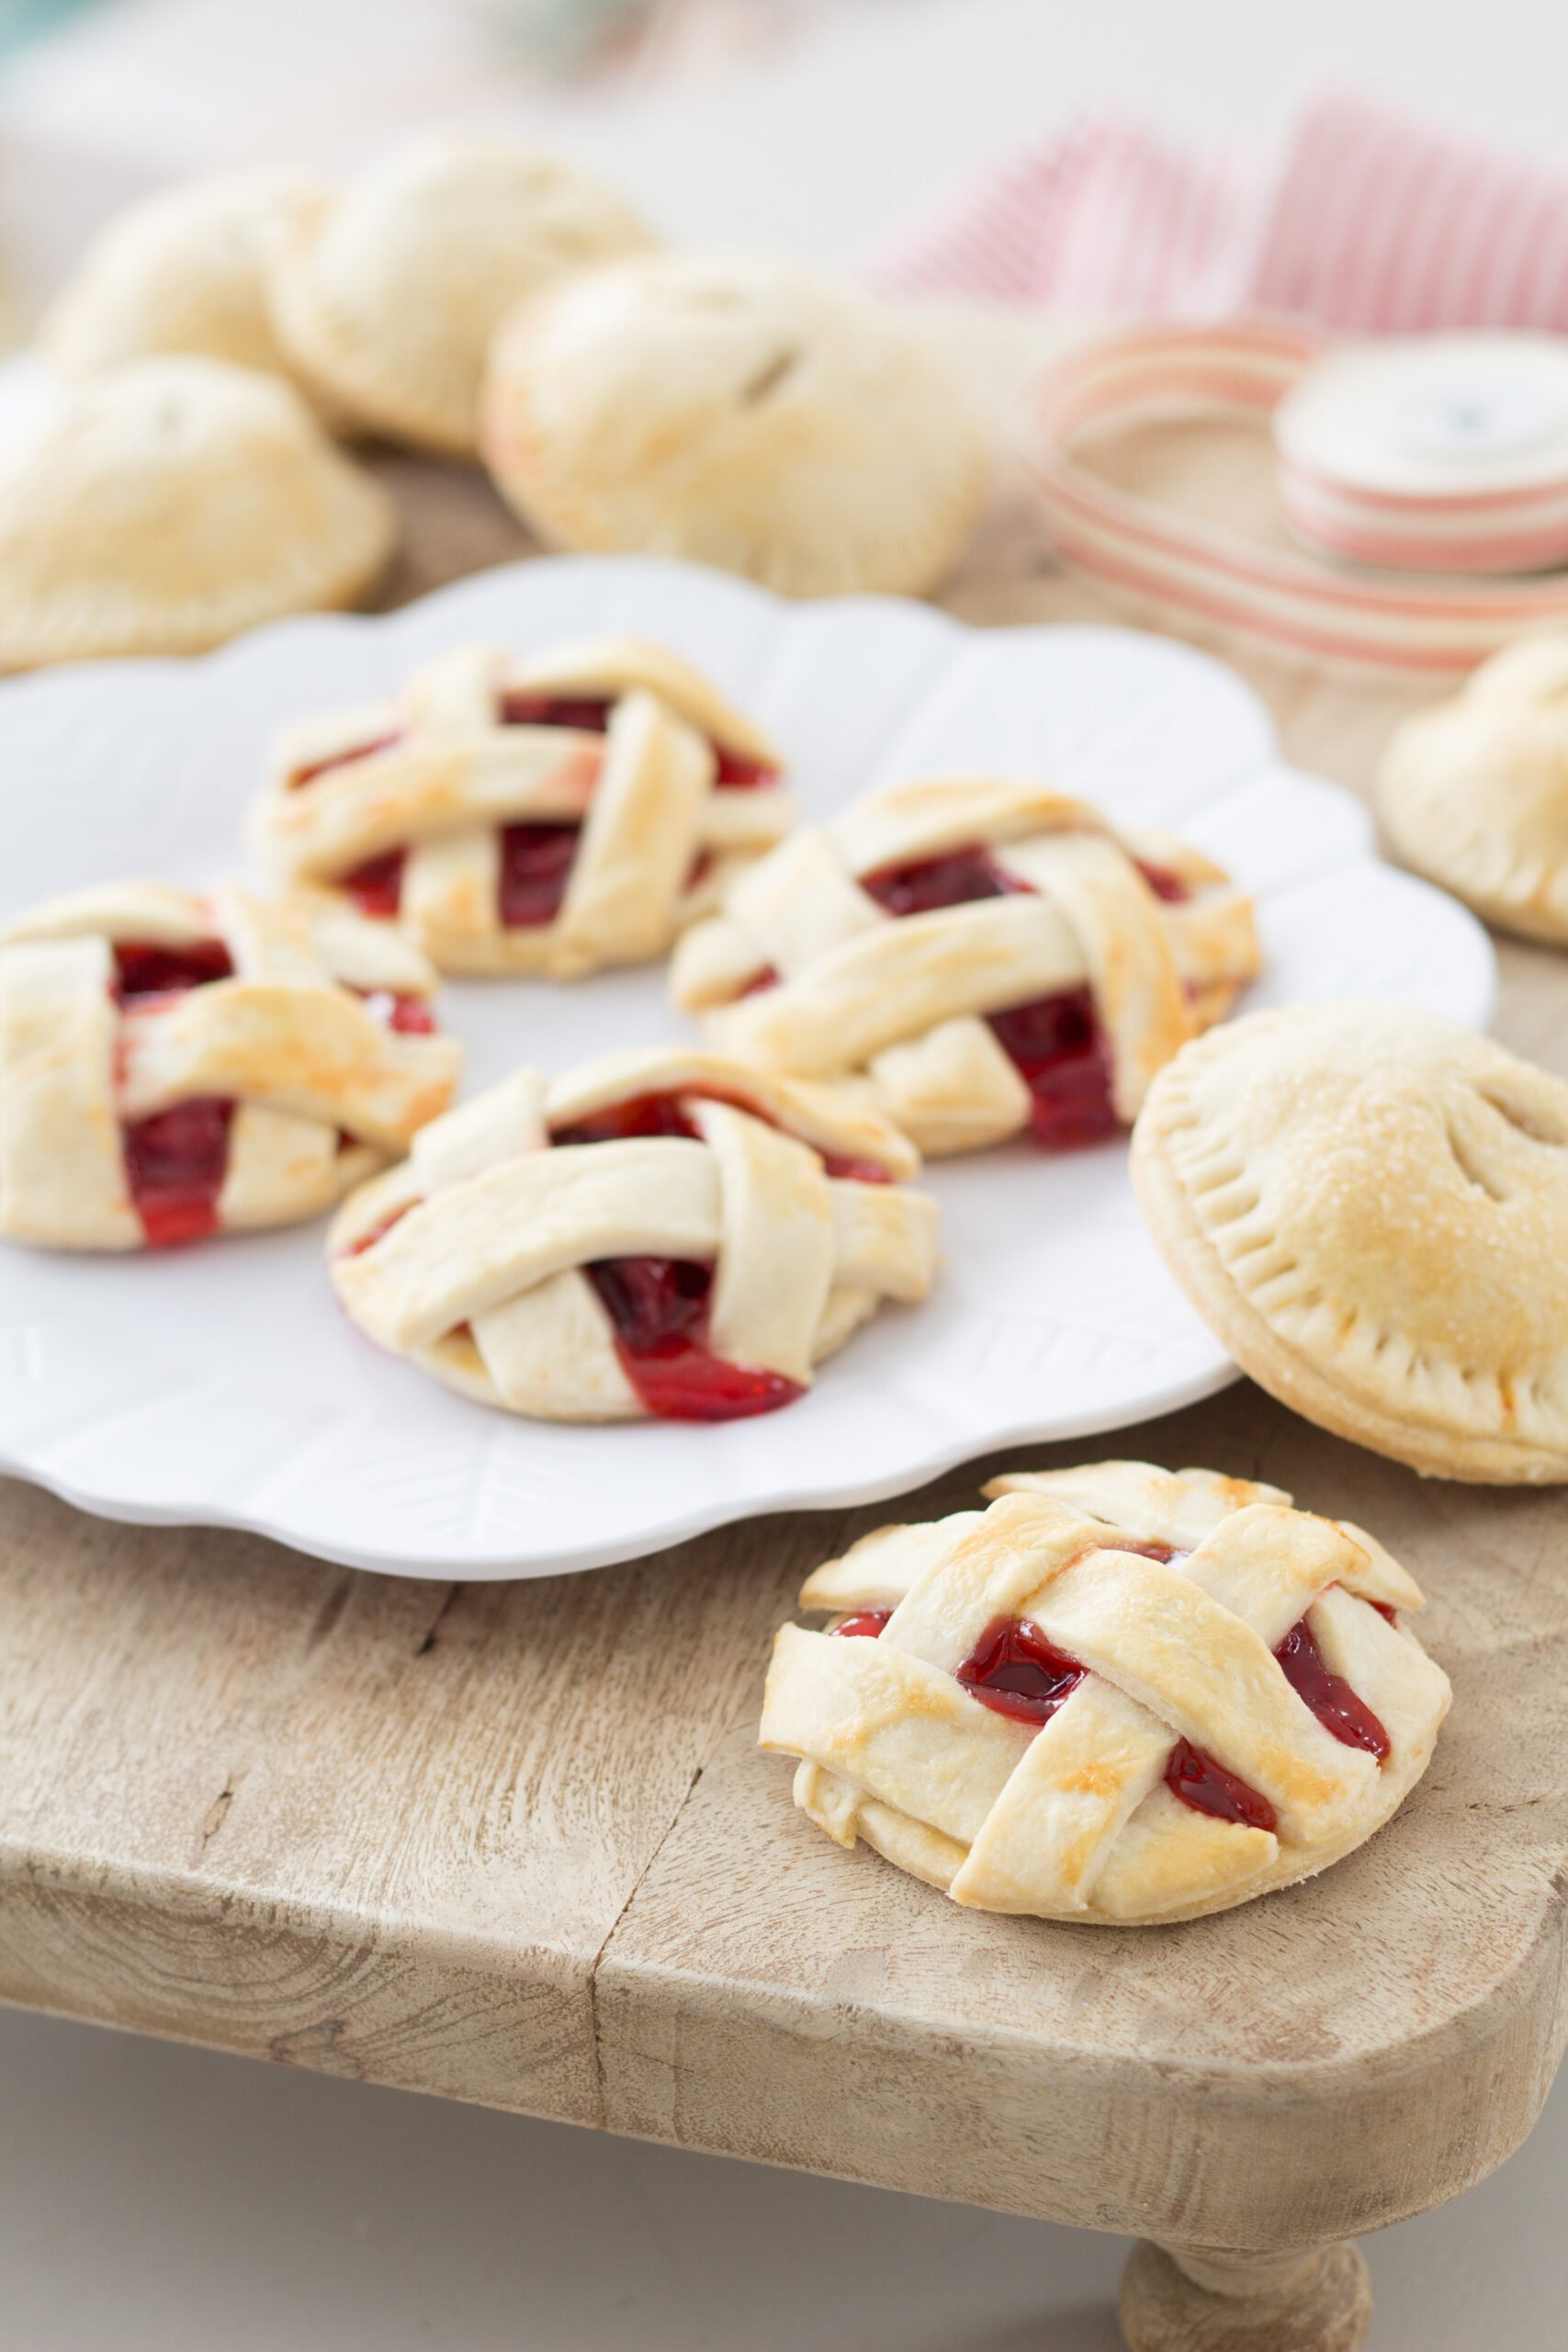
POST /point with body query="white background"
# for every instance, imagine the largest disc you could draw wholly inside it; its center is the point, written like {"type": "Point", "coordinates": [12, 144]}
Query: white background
{"type": "Point", "coordinates": [158, 2199]}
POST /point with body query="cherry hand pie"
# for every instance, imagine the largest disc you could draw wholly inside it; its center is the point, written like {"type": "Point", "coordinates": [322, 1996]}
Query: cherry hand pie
{"type": "Point", "coordinates": [173, 1066]}
{"type": "Point", "coordinates": [1369, 1205]}
{"type": "Point", "coordinates": [1119, 1695]}
{"type": "Point", "coordinates": [385, 294]}
{"type": "Point", "coordinates": [165, 506]}
{"type": "Point", "coordinates": [989, 954]}
{"type": "Point", "coordinates": [658, 1232]}
{"type": "Point", "coordinates": [740, 412]}
{"type": "Point", "coordinates": [548, 815]}
{"type": "Point", "coordinates": [1475, 793]}
{"type": "Point", "coordinates": [182, 270]}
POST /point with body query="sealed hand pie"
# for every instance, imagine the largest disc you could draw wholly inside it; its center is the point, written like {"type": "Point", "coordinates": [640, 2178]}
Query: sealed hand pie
{"type": "Point", "coordinates": [183, 270]}
{"type": "Point", "coordinates": [990, 955]}
{"type": "Point", "coordinates": [1475, 793]}
{"type": "Point", "coordinates": [742, 412]}
{"type": "Point", "coordinates": [1369, 1205]}
{"type": "Point", "coordinates": [170, 503]}
{"type": "Point", "coordinates": [1118, 1696]}
{"type": "Point", "coordinates": [385, 293]}
{"type": "Point", "coordinates": [658, 1232]}
{"type": "Point", "coordinates": [173, 1066]}
{"type": "Point", "coordinates": [544, 816]}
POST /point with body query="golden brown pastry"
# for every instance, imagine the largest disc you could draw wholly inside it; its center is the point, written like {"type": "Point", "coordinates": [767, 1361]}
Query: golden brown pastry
{"type": "Point", "coordinates": [1475, 793]}
{"type": "Point", "coordinates": [170, 503]}
{"type": "Point", "coordinates": [656, 1233]}
{"type": "Point", "coordinates": [740, 412]}
{"type": "Point", "coordinates": [183, 270]}
{"type": "Point", "coordinates": [385, 293]}
{"type": "Point", "coordinates": [988, 956]}
{"type": "Point", "coordinates": [550, 814]}
{"type": "Point", "coordinates": [173, 1064]}
{"type": "Point", "coordinates": [1369, 1205]}
{"type": "Point", "coordinates": [1119, 1696]}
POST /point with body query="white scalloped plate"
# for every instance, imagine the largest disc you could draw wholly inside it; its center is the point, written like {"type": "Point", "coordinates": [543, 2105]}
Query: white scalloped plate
{"type": "Point", "coordinates": [219, 1384]}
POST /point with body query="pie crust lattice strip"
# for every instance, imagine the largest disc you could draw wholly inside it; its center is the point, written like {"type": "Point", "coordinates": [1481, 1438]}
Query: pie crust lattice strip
{"type": "Point", "coordinates": [548, 815]}
{"type": "Point", "coordinates": [1369, 1205]}
{"type": "Point", "coordinates": [1119, 1695]}
{"type": "Point", "coordinates": [990, 955]}
{"type": "Point", "coordinates": [659, 1232]}
{"type": "Point", "coordinates": [1474, 792]}
{"type": "Point", "coordinates": [172, 1065]}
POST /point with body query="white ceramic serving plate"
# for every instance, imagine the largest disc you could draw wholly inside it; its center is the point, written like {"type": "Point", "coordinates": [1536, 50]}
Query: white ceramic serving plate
{"type": "Point", "coordinates": [219, 1383]}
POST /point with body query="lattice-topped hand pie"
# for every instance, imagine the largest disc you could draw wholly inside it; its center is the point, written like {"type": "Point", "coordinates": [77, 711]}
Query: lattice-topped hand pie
{"type": "Point", "coordinates": [551, 815]}
{"type": "Point", "coordinates": [183, 270]}
{"type": "Point", "coordinates": [658, 1232]}
{"type": "Point", "coordinates": [173, 1066]}
{"type": "Point", "coordinates": [1369, 1206]}
{"type": "Point", "coordinates": [991, 954]}
{"type": "Point", "coordinates": [385, 293]}
{"type": "Point", "coordinates": [170, 503]}
{"type": "Point", "coordinates": [741, 412]}
{"type": "Point", "coordinates": [1475, 793]}
{"type": "Point", "coordinates": [1119, 1695]}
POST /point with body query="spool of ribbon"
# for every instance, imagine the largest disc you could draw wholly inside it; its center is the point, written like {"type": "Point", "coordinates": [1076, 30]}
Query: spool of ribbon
{"type": "Point", "coordinates": [1431, 453]}
{"type": "Point", "coordinates": [1193, 568]}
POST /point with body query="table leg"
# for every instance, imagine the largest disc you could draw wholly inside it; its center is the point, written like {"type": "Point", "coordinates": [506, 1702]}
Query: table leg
{"type": "Point", "coordinates": [1190, 2299]}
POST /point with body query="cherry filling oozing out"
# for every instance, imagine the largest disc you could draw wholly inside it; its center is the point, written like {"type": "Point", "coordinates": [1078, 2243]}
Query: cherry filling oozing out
{"type": "Point", "coordinates": [659, 1309]}
{"type": "Point", "coordinates": [1014, 1670]}
{"type": "Point", "coordinates": [535, 859]}
{"type": "Point", "coordinates": [659, 1306]}
{"type": "Point", "coordinates": [1055, 1042]}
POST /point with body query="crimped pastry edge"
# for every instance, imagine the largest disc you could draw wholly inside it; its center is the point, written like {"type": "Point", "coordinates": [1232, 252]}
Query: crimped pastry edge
{"type": "Point", "coordinates": [1286, 1374]}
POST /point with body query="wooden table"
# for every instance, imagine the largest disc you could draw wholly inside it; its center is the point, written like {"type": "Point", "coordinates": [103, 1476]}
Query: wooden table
{"type": "Point", "coordinates": [514, 1844]}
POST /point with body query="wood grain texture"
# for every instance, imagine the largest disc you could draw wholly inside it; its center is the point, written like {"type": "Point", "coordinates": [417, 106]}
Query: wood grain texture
{"type": "Point", "coordinates": [515, 1844]}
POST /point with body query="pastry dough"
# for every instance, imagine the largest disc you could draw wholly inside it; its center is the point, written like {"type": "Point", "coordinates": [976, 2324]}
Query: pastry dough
{"type": "Point", "coordinates": [169, 504]}
{"type": "Point", "coordinates": [172, 1065]}
{"type": "Point", "coordinates": [385, 294]}
{"type": "Point", "coordinates": [545, 816]}
{"type": "Point", "coordinates": [657, 1232]}
{"type": "Point", "coordinates": [1119, 1695]}
{"type": "Point", "coordinates": [183, 270]}
{"type": "Point", "coordinates": [742, 412]}
{"type": "Point", "coordinates": [1369, 1205]}
{"type": "Point", "coordinates": [1475, 793]}
{"type": "Point", "coordinates": [989, 956]}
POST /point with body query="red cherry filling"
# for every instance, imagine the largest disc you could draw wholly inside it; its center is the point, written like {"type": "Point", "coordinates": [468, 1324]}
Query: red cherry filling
{"type": "Point", "coordinates": [175, 1165]}
{"type": "Point", "coordinates": [143, 970]}
{"type": "Point", "coordinates": [661, 1115]}
{"type": "Point", "coordinates": [1054, 1043]}
{"type": "Point", "coordinates": [589, 714]}
{"type": "Point", "coordinates": [536, 863]}
{"type": "Point", "coordinates": [1014, 1670]}
{"type": "Point", "coordinates": [659, 1308]}
{"type": "Point", "coordinates": [1329, 1696]}
{"type": "Point", "coordinates": [375, 884]}
{"type": "Point", "coordinates": [1201, 1780]}
{"type": "Point", "coordinates": [409, 1016]}
{"type": "Point", "coordinates": [866, 1623]}
{"type": "Point", "coordinates": [175, 1162]}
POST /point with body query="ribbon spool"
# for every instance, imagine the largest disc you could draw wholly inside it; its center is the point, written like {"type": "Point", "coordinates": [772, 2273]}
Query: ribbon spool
{"type": "Point", "coordinates": [1194, 569]}
{"type": "Point", "coordinates": [1431, 453]}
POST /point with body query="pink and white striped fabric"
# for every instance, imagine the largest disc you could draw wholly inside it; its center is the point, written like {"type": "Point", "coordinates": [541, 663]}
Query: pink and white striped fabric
{"type": "Point", "coordinates": [1368, 222]}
